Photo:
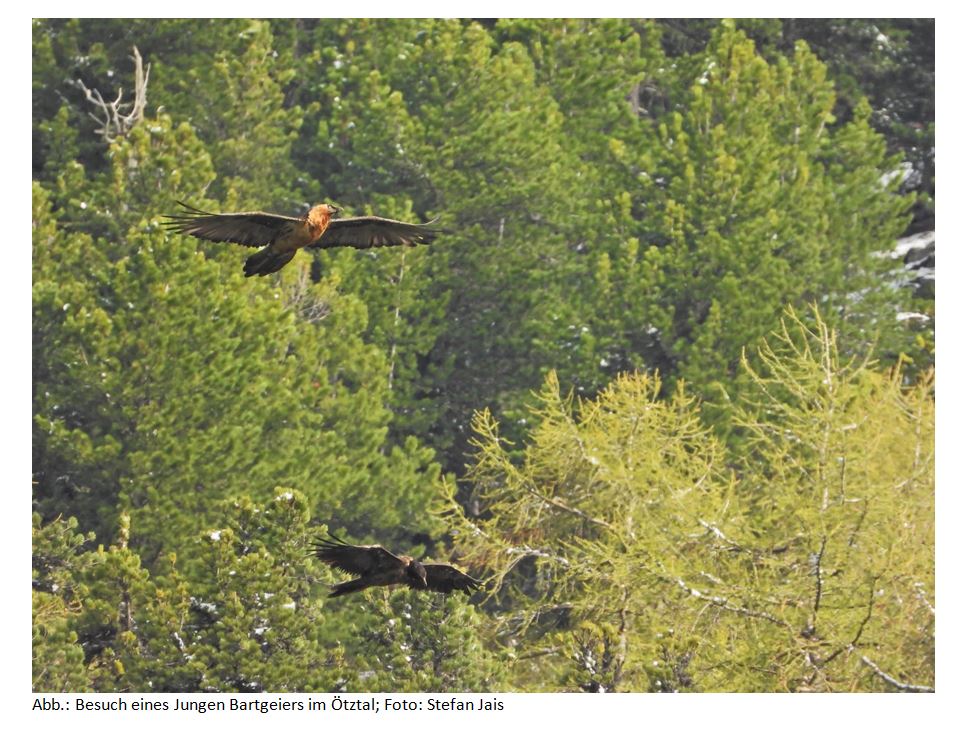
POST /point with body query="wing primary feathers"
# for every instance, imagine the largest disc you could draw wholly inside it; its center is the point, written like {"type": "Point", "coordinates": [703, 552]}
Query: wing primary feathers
{"type": "Point", "coordinates": [254, 229]}
{"type": "Point", "coordinates": [321, 545]}
{"type": "Point", "coordinates": [356, 559]}
{"type": "Point", "coordinates": [370, 231]}
{"type": "Point", "coordinates": [190, 208]}
{"type": "Point", "coordinates": [189, 214]}
{"type": "Point", "coordinates": [331, 534]}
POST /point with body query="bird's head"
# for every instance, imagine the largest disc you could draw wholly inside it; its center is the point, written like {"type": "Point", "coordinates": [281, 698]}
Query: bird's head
{"type": "Point", "coordinates": [328, 208]}
{"type": "Point", "coordinates": [417, 571]}
{"type": "Point", "coordinates": [322, 213]}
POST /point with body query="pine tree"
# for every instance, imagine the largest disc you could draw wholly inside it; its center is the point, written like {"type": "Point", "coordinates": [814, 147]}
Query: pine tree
{"type": "Point", "coordinates": [243, 620]}
{"type": "Point", "coordinates": [428, 108]}
{"type": "Point", "coordinates": [164, 382]}
{"type": "Point", "coordinates": [759, 202]}
{"type": "Point", "coordinates": [421, 641]}
{"type": "Point", "coordinates": [58, 658]}
{"type": "Point", "coordinates": [256, 614]}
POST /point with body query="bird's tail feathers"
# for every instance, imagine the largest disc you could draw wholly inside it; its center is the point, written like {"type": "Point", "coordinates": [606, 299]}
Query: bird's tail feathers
{"type": "Point", "coordinates": [266, 261]}
{"type": "Point", "coordinates": [348, 587]}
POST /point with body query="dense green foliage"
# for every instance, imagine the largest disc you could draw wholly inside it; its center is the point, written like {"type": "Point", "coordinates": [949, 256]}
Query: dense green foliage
{"type": "Point", "coordinates": [687, 566]}
{"type": "Point", "coordinates": [612, 387]}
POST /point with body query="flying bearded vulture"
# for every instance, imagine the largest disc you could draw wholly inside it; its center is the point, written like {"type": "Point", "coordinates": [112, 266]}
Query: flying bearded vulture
{"type": "Point", "coordinates": [376, 566]}
{"type": "Point", "coordinates": [279, 237]}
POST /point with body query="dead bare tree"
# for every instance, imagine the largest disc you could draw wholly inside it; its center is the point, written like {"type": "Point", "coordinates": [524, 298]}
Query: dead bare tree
{"type": "Point", "coordinates": [117, 118]}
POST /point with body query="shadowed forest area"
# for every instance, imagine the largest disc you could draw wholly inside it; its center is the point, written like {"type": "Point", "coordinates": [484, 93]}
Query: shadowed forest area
{"type": "Point", "coordinates": [663, 382]}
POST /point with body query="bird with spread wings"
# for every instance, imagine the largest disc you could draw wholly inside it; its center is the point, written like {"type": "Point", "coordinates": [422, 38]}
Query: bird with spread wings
{"type": "Point", "coordinates": [376, 566]}
{"type": "Point", "coordinates": [281, 236]}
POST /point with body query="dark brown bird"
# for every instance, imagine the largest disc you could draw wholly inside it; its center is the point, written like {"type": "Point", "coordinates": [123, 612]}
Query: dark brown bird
{"type": "Point", "coordinates": [376, 566]}
{"type": "Point", "coordinates": [284, 236]}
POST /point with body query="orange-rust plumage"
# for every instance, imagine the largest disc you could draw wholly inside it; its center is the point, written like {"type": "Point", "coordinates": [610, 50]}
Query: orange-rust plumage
{"type": "Point", "coordinates": [281, 236]}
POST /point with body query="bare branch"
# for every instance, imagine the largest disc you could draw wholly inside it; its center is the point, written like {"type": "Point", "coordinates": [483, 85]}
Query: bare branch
{"type": "Point", "coordinates": [116, 118]}
{"type": "Point", "coordinates": [868, 614]}
{"type": "Point", "coordinates": [861, 627]}
{"type": "Point", "coordinates": [541, 653]}
{"type": "Point", "coordinates": [722, 602]}
{"type": "Point", "coordinates": [525, 551]}
{"type": "Point", "coordinates": [298, 296]}
{"type": "Point", "coordinates": [908, 687]}
{"type": "Point", "coordinates": [558, 504]}
{"type": "Point", "coordinates": [735, 547]}
{"type": "Point", "coordinates": [818, 587]}
{"type": "Point", "coordinates": [858, 525]}
{"type": "Point", "coordinates": [622, 641]}
{"type": "Point", "coordinates": [718, 533]}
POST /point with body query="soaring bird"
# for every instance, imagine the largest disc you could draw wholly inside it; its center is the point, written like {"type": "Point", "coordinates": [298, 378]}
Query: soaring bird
{"type": "Point", "coordinates": [283, 236]}
{"type": "Point", "coordinates": [376, 566]}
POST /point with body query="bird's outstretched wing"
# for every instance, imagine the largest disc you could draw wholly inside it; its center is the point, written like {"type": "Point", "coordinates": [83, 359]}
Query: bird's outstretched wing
{"type": "Point", "coordinates": [370, 232]}
{"type": "Point", "coordinates": [440, 577]}
{"type": "Point", "coordinates": [359, 560]}
{"type": "Point", "coordinates": [246, 228]}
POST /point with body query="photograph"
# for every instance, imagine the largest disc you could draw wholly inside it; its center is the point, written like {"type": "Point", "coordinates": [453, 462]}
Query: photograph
{"type": "Point", "coordinates": [420, 364]}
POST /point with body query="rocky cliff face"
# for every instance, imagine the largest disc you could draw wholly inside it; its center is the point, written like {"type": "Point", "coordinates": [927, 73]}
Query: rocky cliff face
{"type": "Point", "coordinates": [917, 254]}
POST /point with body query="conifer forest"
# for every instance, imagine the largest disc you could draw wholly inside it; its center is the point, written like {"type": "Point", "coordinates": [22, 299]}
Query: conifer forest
{"type": "Point", "coordinates": [655, 395]}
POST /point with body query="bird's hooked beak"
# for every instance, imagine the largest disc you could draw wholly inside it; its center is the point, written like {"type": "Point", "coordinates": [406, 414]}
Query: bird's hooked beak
{"type": "Point", "coordinates": [419, 571]}
{"type": "Point", "coordinates": [333, 209]}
